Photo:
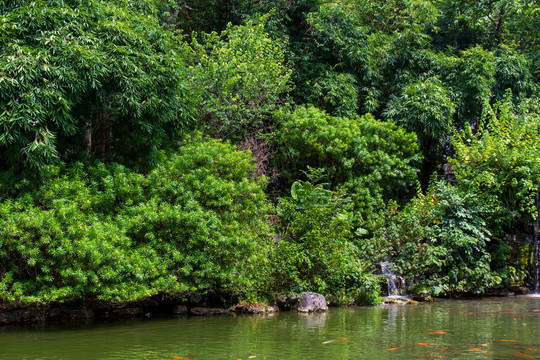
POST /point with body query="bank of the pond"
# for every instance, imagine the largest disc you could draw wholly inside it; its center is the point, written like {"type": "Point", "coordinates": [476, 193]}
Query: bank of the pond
{"type": "Point", "coordinates": [193, 304]}
{"type": "Point", "coordinates": [189, 304]}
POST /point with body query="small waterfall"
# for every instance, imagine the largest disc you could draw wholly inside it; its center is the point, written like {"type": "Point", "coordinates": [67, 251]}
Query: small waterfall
{"type": "Point", "coordinates": [396, 284]}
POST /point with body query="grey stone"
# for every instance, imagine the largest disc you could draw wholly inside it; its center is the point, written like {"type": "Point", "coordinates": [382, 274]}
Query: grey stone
{"type": "Point", "coordinates": [287, 302]}
{"type": "Point", "coordinates": [519, 290]}
{"type": "Point", "coordinates": [310, 302]}
{"type": "Point", "coordinates": [281, 300]}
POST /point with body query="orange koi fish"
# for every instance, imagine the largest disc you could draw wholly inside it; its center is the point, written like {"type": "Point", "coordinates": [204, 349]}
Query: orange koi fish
{"type": "Point", "coordinates": [442, 332]}
{"type": "Point", "coordinates": [394, 348]}
{"type": "Point", "coordinates": [344, 339]}
{"type": "Point", "coordinates": [478, 350]}
{"type": "Point", "coordinates": [179, 357]}
{"type": "Point", "coordinates": [434, 356]}
{"type": "Point", "coordinates": [524, 355]}
{"type": "Point", "coordinates": [507, 340]}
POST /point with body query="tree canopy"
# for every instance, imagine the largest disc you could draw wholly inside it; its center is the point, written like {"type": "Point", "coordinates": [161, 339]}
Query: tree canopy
{"type": "Point", "coordinates": [90, 76]}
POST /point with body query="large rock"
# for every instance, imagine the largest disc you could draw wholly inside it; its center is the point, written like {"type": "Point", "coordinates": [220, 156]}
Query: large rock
{"type": "Point", "coordinates": [310, 302]}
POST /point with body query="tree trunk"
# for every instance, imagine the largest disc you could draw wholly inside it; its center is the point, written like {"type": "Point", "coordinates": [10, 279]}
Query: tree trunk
{"type": "Point", "coordinates": [100, 134]}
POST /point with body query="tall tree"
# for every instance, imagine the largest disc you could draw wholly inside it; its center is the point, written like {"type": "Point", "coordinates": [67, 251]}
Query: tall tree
{"type": "Point", "coordinates": [94, 76]}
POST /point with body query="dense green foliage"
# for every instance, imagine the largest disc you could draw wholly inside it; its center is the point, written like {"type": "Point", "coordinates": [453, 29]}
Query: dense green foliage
{"type": "Point", "coordinates": [440, 241]}
{"type": "Point", "coordinates": [193, 224]}
{"type": "Point", "coordinates": [87, 76]}
{"type": "Point", "coordinates": [501, 161]}
{"type": "Point", "coordinates": [243, 78]}
{"type": "Point", "coordinates": [500, 164]}
{"type": "Point", "coordinates": [114, 187]}
{"type": "Point", "coordinates": [373, 161]}
{"type": "Point", "coordinates": [315, 250]}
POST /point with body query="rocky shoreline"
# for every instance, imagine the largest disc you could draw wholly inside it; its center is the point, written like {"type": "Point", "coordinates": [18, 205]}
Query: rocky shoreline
{"type": "Point", "coordinates": [192, 304]}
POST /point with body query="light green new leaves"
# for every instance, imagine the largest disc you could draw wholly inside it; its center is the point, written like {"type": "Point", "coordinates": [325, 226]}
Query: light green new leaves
{"type": "Point", "coordinates": [244, 77]}
{"type": "Point", "coordinates": [502, 160]}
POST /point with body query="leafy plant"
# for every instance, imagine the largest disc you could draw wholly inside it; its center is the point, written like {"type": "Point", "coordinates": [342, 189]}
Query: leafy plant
{"type": "Point", "coordinates": [195, 223]}
{"type": "Point", "coordinates": [440, 242]}
{"type": "Point", "coordinates": [315, 252]}
{"type": "Point", "coordinates": [244, 77]}
{"type": "Point", "coordinates": [373, 161]}
{"type": "Point", "coordinates": [88, 76]}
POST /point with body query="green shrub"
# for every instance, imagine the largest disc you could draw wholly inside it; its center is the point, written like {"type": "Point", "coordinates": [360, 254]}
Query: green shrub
{"type": "Point", "coordinates": [206, 215]}
{"type": "Point", "coordinates": [195, 223]}
{"type": "Point", "coordinates": [244, 79]}
{"type": "Point", "coordinates": [315, 252]}
{"type": "Point", "coordinates": [63, 253]}
{"type": "Point", "coordinates": [373, 160]}
{"type": "Point", "coordinates": [440, 242]}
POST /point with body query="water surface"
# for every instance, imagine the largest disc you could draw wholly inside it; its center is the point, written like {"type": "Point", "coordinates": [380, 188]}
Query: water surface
{"type": "Point", "coordinates": [496, 328]}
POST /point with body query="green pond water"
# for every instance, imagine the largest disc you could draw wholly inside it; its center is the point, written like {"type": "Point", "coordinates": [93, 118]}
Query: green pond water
{"type": "Point", "coordinates": [494, 328]}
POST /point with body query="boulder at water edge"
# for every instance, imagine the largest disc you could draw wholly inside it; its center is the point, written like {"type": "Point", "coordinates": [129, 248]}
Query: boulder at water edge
{"type": "Point", "coordinates": [310, 302]}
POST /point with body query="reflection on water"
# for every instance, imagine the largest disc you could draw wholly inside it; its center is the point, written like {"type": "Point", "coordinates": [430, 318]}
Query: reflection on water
{"type": "Point", "coordinates": [505, 328]}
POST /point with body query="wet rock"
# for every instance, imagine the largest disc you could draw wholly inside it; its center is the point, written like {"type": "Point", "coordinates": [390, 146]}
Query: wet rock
{"type": "Point", "coordinates": [519, 290]}
{"type": "Point", "coordinates": [55, 313]}
{"type": "Point", "coordinates": [6, 318]}
{"type": "Point", "coordinates": [310, 302]}
{"type": "Point", "coordinates": [201, 311]}
{"type": "Point", "coordinates": [180, 310]}
{"type": "Point", "coordinates": [423, 296]}
{"type": "Point", "coordinates": [255, 309]}
{"type": "Point", "coordinates": [74, 314]}
{"type": "Point", "coordinates": [498, 292]}
{"type": "Point", "coordinates": [401, 300]}
{"type": "Point", "coordinates": [281, 300]}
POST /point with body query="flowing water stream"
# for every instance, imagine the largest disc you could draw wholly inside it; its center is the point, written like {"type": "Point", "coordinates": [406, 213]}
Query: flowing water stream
{"type": "Point", "coordinates": [494, 328]}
